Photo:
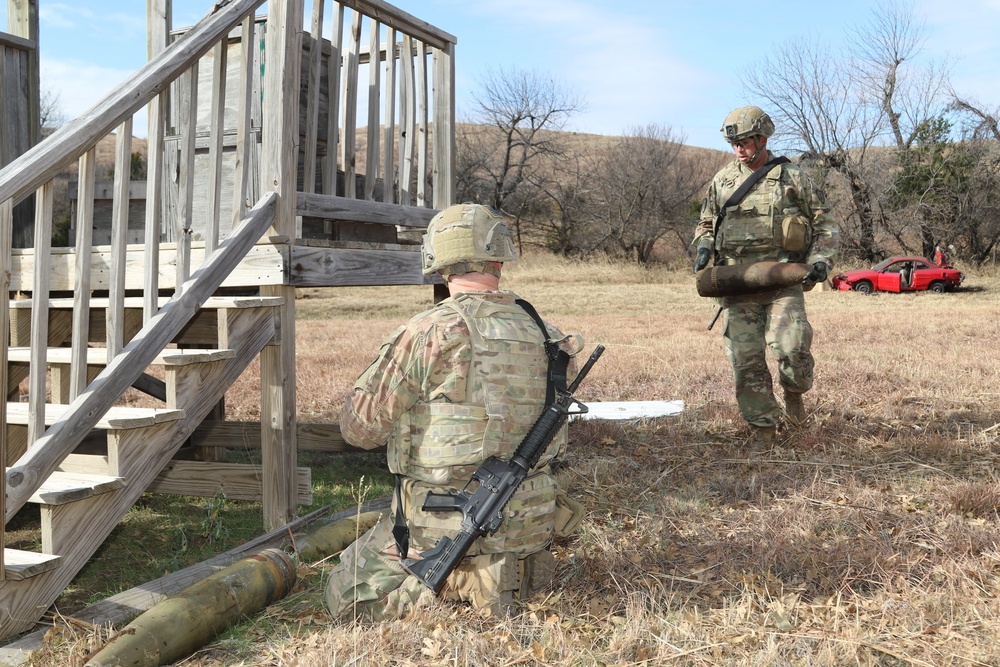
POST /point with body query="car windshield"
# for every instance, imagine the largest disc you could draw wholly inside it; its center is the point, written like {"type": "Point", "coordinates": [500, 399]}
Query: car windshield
{"type": "Point", "coordinates": [884, 263]}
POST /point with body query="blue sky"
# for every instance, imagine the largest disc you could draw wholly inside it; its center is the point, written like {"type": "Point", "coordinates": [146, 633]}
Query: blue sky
{"type": "Point", "coordinates": [635, 62]}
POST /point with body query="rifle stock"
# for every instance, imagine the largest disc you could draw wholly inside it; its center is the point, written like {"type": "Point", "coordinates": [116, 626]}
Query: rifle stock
{"type": "Point", "coordinates": [496, 481]}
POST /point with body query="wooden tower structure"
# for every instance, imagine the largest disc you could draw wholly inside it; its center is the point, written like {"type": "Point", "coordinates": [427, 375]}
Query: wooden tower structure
{"type": "Point", "coordinates": [260, 179]}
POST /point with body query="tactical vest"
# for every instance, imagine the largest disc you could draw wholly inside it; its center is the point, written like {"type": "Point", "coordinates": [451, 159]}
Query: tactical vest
{"type": "Point", "coordinates": [437, 446]}
{"type": "Point", "coordinates": [760, 228]}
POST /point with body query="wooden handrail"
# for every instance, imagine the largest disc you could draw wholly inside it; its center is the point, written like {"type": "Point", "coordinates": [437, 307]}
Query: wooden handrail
{"type": "Point", "coordinates": [28, 172]}
{"type": "Point", "coordinates": [394, 17]}
{"type": "Point", "coordinates": [45, 455]}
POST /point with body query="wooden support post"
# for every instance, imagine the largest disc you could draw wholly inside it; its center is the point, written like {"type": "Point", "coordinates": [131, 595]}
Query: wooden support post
{"type": "Point", "coordinates": [22, 21]}
{"type": "Point", "coordinates": [277, 362]}
{"type": "Point", "coordinates": [6, 234]}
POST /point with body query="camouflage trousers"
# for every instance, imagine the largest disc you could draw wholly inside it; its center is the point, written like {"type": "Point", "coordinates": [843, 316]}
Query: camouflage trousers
{"type": "Point", "coordinates": [775, 320]}
{"type": "Point", "coordinates": [370, 583]}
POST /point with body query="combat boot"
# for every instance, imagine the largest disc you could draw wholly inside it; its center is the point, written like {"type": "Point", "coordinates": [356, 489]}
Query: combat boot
{"type": "Point", "coordinates": [488, 581]}
{"type": "Point", "coordinates": [795, 409]}
{"type": "Point", "coordinates": [762, 435]}
{"type": "Point", "coordinates": [536, 571]}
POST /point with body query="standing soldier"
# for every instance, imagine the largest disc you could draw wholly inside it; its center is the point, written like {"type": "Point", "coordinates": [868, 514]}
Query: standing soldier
{"type": "Point", "coordinates": [781, 218]}
{"type": "Point", "coordinates": [455, 385]}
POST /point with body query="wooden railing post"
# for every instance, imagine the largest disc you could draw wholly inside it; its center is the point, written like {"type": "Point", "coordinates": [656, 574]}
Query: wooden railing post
{"type": "Point", "coordinates": [277, 361]}
{"type": "Point", "coordinates": [444, 126]}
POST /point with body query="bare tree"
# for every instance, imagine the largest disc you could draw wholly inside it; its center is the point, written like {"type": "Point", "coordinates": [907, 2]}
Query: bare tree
{"type": "Point", "coordinates": [980, 122]}
{"type": "Point", "coordinates": [643, 187]}
{"type": "Point", "coordinates": [976, 228]}
{"type": "Point", "coordinates": [519, 113]}
{"type": "Point", "coordinates": [563, 200]}
{"type": "Point", "coordinates": [50, 112]}
{"type": "Point", "coordinates": [835, 107]}
{"type": "Point", "coordinates": [816, 107]}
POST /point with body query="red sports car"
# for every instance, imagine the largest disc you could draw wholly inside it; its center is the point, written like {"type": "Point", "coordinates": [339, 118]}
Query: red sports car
{"type": "Point", "coordinates": [900, 274]}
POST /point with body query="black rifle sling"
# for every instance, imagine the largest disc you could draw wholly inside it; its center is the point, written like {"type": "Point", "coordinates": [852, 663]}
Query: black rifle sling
{"type": "Point", "coordinates": [744, 188]}
{"type": "Point", "coordinates": [555, 379]}
{"type": "Point", "coordinates": [558, 358]}
{"type": "Point", "coordinates": [400, 531]}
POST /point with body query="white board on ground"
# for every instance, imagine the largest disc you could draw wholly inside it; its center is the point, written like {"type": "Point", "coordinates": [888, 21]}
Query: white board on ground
{"type": "Point", "coordinates": [620, 410]}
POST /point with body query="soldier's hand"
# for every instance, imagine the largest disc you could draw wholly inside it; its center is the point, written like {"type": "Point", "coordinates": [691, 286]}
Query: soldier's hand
{"type": "Point", "coordinates": [817, 274]}
{"type": "Point", "coordinates": [701, 259]}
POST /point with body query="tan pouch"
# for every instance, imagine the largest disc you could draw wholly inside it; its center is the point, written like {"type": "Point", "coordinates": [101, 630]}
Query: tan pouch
{"type": "Point", "coordinates": [794, 233]}
{"type": "Point", "coordinates": [569, 514]}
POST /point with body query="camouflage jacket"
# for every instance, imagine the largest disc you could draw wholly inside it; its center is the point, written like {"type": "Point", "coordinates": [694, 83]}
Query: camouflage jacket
{"type": "Point", "coordinates": [453, 386]}
{"type": "Point", "coordinates": [758, 228]}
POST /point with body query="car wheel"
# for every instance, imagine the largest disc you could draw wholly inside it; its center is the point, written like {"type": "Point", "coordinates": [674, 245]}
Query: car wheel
{"type": "Point", "coordinates": [937, 286]}
{"type": "Point", "coordinates": [864, 286]}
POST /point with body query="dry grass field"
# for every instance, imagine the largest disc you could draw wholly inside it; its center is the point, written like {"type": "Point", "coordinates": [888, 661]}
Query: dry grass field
{"type": "Point", "coordinates": [869, 536]}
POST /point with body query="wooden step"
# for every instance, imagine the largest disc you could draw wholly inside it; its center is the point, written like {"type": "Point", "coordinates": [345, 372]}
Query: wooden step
{"type": "Point", "coordinates": [66, 487]}
{"type": "Point", "coordinates": [20, 565]}
{"type": "Point", "coordinates": [98, 356]}
{"type": "Point", "coordinates": [117, 418]}
{"type": "Point", "coordinates": [202, 330]}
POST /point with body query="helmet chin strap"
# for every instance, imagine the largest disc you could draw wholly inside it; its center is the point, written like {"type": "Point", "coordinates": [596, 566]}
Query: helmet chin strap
{"type": "Point", "coordinates": [753, 158]}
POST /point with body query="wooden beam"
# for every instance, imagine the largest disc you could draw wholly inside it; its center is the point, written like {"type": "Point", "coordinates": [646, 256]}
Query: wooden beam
{"type": "Point", "coordinates": [313, 266]}
{"type": "Point", "coordinates": [238, 481]}
{"type": "Point", "coordinates": [311, 437]}
{"type": "Point", "coordinates": [359, 210]}
{"type": "Point", "coordinates": [283, 52]}
{"type": "Point", "coordinates": [263, 264]}
{"type": "Point", "coordinates": [402, 21]}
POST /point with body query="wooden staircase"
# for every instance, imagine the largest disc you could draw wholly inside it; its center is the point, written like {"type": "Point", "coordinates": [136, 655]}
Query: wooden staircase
{"type": "Point", "coordinates": [85, 499]}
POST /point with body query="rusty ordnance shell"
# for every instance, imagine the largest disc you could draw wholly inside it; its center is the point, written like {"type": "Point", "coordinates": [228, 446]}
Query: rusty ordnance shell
{"type": "Point", "coordinates": [334, 537]}
{"type": "Point", "coordinates": [742, 279]}
{"type": "Point", "coordinates": [178, 626]}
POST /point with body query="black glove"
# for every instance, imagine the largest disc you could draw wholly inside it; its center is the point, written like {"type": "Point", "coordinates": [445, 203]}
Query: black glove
{"type": "Point", "coordinates": [701, 259]}
{"type": "Point", "coordinates": [817, 274]}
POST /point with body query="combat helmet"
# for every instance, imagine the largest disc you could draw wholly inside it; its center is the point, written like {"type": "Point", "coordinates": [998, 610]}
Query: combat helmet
{"type": "Point", "coordinates": [464, 238]}
{"type": "Point", "coordinates": [745, 122]}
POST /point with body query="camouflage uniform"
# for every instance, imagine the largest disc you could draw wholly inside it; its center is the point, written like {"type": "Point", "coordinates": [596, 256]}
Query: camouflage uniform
{"type": "Point", "coordinates": [458, 383]}
{"type": "Point", "coordinates": [783, 218]}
